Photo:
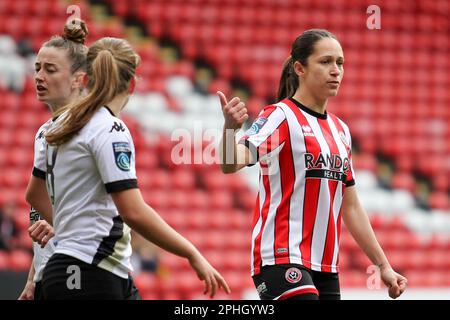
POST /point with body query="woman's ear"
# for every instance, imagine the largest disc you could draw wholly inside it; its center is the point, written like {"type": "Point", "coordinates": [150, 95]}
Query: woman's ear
{"type": "Point", "coordinates": [80, 80]}
{"type": "Point", "coordinates": [298, 68]}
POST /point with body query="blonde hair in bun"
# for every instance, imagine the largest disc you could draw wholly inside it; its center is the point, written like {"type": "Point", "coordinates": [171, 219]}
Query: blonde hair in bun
{"type": "Point", "coordinates": [72, 40]}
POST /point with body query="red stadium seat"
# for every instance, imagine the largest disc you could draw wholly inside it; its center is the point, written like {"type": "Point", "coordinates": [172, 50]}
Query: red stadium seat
{"type": "Point", "coordinates": [439, 200]}
{"type": "Point", "coordinates": [20, 260]}
{"type": "Point", "coordinates": [4, 260]}
{"type": "Point", "coordinates": [389, 112]}
{"type": "Point", "coordinates": [146, 283]}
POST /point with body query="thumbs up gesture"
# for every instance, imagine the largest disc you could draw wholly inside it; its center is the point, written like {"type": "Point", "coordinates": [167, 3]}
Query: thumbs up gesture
{"type": "Point", "coordinates": [234, 112]}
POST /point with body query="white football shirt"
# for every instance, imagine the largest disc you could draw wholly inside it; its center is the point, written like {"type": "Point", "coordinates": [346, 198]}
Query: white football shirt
{"type": "Point", "coordinates": [41, 255]}
{"type": "Point", "coordinates": [305, 160]}
{"type": "Point", "coordinates": [80, 176]}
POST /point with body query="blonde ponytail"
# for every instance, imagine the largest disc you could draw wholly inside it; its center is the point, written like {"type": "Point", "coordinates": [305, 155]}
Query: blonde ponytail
{"type": "Point", "coordinates": [111, 64]}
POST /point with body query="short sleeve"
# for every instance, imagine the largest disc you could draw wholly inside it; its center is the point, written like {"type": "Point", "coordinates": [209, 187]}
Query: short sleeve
{"type": "Point", "coordinates": [350, 181]}
{"type": "Point", "coordinates": [114, 154]}
{"type": "Point", "coordinates": [39, 162]}
{"type": "Point", "coordinates": [267, 134]}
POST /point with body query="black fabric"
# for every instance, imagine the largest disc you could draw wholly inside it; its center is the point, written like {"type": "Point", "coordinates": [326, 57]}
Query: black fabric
{"type": "Point", "coordinates": [350, 183]}
{"type": "Point", "coordinates": [38, 291]}
{"type": "Point", "coordinates": [95, 283]}
{"type": "Point", "coordinates": [38, 173]}
{"type": "Point", "coordinates": [110, 111]}
{"type": "Point", "coordinates": [271, 283]}
{"type": "Point", "coordinates": [326, 174]}
{"type": "Point", "coordinates": [308, 110]}
{"type": "Point", "coordinates": [121, 185]}
{"type": "Point", "coordinates": [106, 247]}
{"type": "Point", "coordinates": [253, 150]}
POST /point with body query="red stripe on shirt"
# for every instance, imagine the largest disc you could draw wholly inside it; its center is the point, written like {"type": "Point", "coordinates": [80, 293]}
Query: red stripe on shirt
{"type": "Point", "coordinates": [312, 191]}
{"type": "Point", "coordinates": [328, 252]}
{"type": "Point", "coordinates": [264, 212]}
{"type": "Point", "coordinates": [340, 128]}
{"type": "Point", "coordinates": [287, 177]}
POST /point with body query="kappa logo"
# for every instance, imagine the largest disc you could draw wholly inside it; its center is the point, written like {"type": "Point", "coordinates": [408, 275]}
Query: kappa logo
{"type": "Point", "coordinates": [293, 275]}
{"type": "Point", "coordinates": [40, 135]}
{"type": "Point", "coordinates": [307, 131]}
{"type": "Point", "coordinates": [117, 127]}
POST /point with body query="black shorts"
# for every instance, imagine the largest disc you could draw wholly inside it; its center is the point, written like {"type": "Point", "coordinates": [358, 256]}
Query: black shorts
{"type": "Point", "coordinates": [294, 281]}
{"type": "Point", "coordinates": [38, 291]}
{"type": "Point", "coordinates": [67, 278]}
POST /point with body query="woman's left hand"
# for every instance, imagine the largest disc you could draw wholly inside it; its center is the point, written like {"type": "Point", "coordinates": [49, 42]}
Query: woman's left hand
{"type": "Point", "coordinates": [395, 282]}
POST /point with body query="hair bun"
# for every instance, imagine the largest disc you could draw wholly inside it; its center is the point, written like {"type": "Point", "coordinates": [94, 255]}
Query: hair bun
{"type": "Point", "coordinates": [75, 30]}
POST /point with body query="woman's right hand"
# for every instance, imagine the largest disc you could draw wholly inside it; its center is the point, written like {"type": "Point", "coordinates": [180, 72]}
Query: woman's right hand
{"type": "Point", "coordinates": [234, 112]}
{"type": "Point", "coordinates": [41, 232]}
{"type": "Point", "coordinates": [205, 272]}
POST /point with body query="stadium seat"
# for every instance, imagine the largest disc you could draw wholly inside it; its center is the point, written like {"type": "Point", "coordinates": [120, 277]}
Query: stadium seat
{"type": "Point", "coordinates": [20, 260]}
{"type": "Point", "coordinates": [4, 260]}
{"type": "Point", "coordinates": [244, 45]}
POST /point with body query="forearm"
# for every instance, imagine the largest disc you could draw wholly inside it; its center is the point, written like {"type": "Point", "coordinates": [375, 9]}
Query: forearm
{"type": "Point", "coordinates": [358, 224]}
{"type": "Point", "coordinates": [31, 273]}
{"type": "Point", "coordinates": [153, 228]}
{"type": "Point", "coordinates": [228, 150]}
{"type": "Point", "coordinates": [234, 156]}
{"type": "Point", "coordinates": [43, 206]}
{"type": "Point", "coordinates": [37, 197]}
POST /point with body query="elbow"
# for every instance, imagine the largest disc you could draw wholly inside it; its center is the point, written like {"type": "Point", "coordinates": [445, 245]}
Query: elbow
{"type": "Point", "coordinates": [131, 216]}
{"type": "Point", "coordinates": [30, 197]}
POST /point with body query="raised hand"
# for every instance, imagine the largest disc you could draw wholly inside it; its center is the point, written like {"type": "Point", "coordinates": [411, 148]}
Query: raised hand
{"type": "Point", "coordinates": [234, 112]}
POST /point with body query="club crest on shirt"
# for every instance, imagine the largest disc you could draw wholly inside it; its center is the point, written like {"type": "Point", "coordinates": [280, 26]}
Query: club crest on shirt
{"type": "Point", "coordinates": [122, 154]}
{"type": "Point", "coordinates": [256, 126]}
{"type": "Point", "coordinates": [293, 275]}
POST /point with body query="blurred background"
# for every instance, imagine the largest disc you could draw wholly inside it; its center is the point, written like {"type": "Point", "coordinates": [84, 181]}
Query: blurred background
{"type": "Point", "coordinates": [394, 97]}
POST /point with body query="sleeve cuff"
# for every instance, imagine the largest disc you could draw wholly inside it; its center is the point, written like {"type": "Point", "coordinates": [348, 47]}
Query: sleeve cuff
{"type": "Point", "coordinates": [38, 173]}
{"type": "Point", "coordinates": [253, 151]}
{"type": "Point", "coordinates": [121, 185]}
{"type": "Point", "coordinates": [350, 183]}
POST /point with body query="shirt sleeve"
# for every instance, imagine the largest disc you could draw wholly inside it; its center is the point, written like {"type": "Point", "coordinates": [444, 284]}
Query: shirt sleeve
{"type": "Point", "coordinates": [266, 136]}
{"type": "Point", "coordinates": [114, 153]}
{"type": "Point", "coordinates": [350, 181]}
{"type": "Point", "coordinates": [39, 162]}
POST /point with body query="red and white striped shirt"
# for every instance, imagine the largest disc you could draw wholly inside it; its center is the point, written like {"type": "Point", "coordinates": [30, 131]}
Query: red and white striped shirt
{"type": "Point", "coordinates": [305, 160]}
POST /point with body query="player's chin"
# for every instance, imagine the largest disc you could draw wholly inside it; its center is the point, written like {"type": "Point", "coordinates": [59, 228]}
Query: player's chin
{"type": "Point", "coordinates": [332, 92]}
{"type": "Point", "coordinates": [41, 98]}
